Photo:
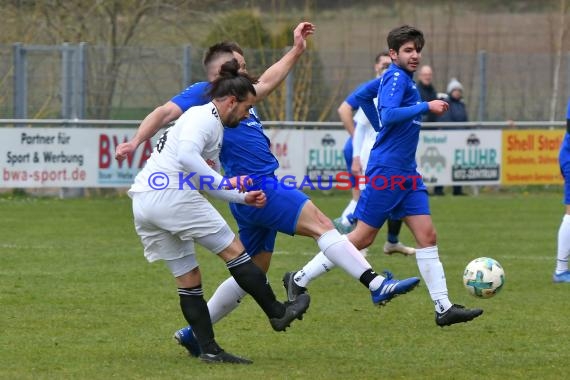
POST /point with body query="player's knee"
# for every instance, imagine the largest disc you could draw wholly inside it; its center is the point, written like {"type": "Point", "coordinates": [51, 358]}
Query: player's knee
{"type": "Point", "coordinates": [321, 224]}
{"type": "Point", "coordinates": [360, 241]}
{"type": "Point", "coordinates": [262, 260]}
{"type": "Point", "coordinates": [189, 279]}
{"type": "Point", "coordinates": [430, 238]}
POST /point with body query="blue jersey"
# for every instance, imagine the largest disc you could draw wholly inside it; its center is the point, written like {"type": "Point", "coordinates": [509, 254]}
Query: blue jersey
{"type": "Point", "coordinates": [400, 109]}
{"type": "Point", "coordinates": [564, 155]}
{"type": "Point", "coordinates": [352, 100]}
{"type": "Point", "coordinates": [245, 149]}
{"type": "Point", "coordinates": [194, 95]}
{"type": "Point", "coordinates": [365, 96]}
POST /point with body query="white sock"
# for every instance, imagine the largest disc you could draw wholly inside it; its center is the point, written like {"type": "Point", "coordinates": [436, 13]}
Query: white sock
{"type": "Point", "coordinates": [432, 272]}
{"type": "Point", "coordinates": [225, 299]}
{"type": "Point", "coordinates": [343, 253]}
{"type": "Point", "coordinates": [313, 269]}
{"type": "Point", "coordinates": [347, 211]}
{"type": "Point", "coordinates": [375, 284]}
{"type": "Point", "coordinates": [563, 245]}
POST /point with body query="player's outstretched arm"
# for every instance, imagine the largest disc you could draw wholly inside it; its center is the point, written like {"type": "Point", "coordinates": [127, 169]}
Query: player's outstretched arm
{"type": "Point", "coordinates": [345, 112]}
{"type": "Point", "coordinates": [190, 156]}
{"type": "Point", "coordinates": [151, 124]}
{"type": "Point", "coordinates": [275, 74]}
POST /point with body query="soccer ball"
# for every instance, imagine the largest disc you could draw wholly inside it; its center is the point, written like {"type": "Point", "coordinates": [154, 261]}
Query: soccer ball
{"type": "Point", "coordinates": [483, 277]}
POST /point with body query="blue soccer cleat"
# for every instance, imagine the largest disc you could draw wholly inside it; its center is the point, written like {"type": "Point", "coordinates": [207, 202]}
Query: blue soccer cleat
{"type": "Point", "coordinates": [185, 337]}
{"type": "Point", "coordinates": [562, 277]}
{"type": "Point", "coordinates": [391, 288]}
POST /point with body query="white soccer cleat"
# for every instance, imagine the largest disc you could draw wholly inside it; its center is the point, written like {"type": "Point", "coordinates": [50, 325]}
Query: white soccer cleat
{"type": "Point", "coordinates": [390, 248]}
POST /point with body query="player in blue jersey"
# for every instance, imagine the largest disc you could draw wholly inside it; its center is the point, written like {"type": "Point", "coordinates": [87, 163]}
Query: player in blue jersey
{"type": "Point", "coordinates": [357, 141]}
{"type": "Point", "coordinates": [246, 151]}
{"type": "Point", "coordinates": [561, 273]}
{"type": "Point", "coordinates": [396, 189]}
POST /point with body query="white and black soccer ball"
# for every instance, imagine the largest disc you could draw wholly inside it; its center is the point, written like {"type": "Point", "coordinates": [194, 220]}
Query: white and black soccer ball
{"type": "Point", "coordinates": [483, 277]}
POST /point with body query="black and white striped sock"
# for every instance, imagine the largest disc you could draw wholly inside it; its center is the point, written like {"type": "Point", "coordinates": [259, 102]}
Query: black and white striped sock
{"type": "Point", "coordinates": [196, 313]}
{"type": "Point", "coordinates": [252, 279]}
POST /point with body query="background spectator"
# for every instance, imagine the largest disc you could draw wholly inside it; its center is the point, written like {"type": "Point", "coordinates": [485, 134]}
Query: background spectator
{"type": "Point", "coordinates": [426, 89]}
{"type": "Point", "coordinates": [457, 112]}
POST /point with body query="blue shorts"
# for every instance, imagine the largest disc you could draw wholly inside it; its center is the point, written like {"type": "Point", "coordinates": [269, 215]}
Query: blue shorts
{"type": "Point", "coordinates": [258, 227]}
{"type": "Point", "coordinates": [347, 150]}
{"type": "Point", "coordinates": [565, 170]}
{"type": "Point", "coordinates": [393, 194]}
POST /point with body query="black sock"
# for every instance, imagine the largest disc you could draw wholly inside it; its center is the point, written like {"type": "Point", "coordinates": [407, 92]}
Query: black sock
{"type": "Point", "coordinates": [252, 279]}
{"type": "Point", "coordinates": [195, 310]}
{"type": "Point", "coordinates": [394, 227]}
{"type": "Point", "coordinates": [367, 277]}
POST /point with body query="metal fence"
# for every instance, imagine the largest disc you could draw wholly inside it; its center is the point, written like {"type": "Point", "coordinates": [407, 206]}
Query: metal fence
{"type": "Point", "coordinates": [93, 82]}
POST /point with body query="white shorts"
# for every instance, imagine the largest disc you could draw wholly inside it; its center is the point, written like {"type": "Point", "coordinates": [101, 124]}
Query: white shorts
{"type": "Point", "coordinates": [169, 221]}
{"type": "Point", "coordinates": [367, 144]}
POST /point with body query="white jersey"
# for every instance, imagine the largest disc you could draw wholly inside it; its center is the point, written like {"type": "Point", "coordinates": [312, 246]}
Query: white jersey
{"type": "Point", "coordinates": [368, 137]}
{"type": "Point", "coordinates": [200, 125]}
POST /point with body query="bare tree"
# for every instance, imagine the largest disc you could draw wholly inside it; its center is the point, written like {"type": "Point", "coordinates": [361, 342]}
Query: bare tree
{"type": "Point", "coordinates": [108, 26]}
{"type": "Point", "coordinates": [558, 59]}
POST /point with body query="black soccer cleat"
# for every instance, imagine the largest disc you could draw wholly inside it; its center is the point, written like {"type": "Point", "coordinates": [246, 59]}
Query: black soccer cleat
{"type": "Point", "coordinates": [224, 357]}
{"type": "Point", "coordinates": [293, 310]}
{"type": "Point", "coordinates": [291, 288]}
{"type": "Point", "coordinates": [456, 314]}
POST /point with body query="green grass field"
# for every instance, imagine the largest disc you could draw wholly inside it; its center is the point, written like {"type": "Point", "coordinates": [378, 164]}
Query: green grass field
{"type": "Point", "coordinates": [79, 301]}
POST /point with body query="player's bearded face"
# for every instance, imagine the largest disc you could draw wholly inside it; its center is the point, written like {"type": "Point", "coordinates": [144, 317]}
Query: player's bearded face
{"type": "Point", "coordinates": [408, 57]}
{"type": "Point", "coordinates": [239, 112]}
{"type": "Point", "coordinates": [233, 120]}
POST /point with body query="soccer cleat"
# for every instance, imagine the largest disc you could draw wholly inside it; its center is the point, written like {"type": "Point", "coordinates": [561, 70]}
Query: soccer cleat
{"type": "Point", "coordinates": [293, 310]}
{"type": "Point", "coordinates": [456, 314]}
{"type": "Point", "coordinates": [224, 357]}
{"type": "Point", "coordinates": [185, 337]}
{"type": "Point", "coordinates": [391, 288]}
{"type": "Point", "coordinates": [291, 288]}
{"type": "Point", "coordinates": [342, 228]}
{"type": "Point", "coordinates": [562, 277]}
{"type": "Point", "coordinates": [390, 248]}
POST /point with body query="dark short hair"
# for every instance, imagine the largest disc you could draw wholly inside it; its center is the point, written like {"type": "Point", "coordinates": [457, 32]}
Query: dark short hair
{"type": "Point", "coordinates": [214, 51]}
{"type": "Point", "coordinates": [403, 34]}
{"type": "Point", "coordinates": [383, 53]}
{"type": "Point", "coordinates": [232, 82]}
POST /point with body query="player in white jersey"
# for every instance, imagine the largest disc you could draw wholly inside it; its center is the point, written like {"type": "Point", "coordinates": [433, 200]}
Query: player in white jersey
{"type": "Point", "coordinates": [362, 142]}
{"type": "Point", "coordinates": [170, 214]}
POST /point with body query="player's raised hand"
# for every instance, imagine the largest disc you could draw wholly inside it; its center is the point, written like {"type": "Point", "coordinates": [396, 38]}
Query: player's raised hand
{"type": "Point", "coordinates": [255, 198]}
{"type": "Point", "coordinates": [438, 107]}
{"type": "Point", "coordinates": [300, 34]}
